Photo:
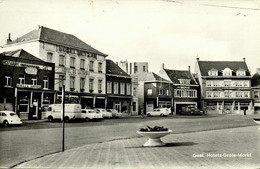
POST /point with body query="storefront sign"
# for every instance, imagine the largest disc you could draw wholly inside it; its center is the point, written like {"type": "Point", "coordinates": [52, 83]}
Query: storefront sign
{"type": "Point", "coordinates": [21, 64]}
{"type": "Point", "coordinates": [183, 87]}
{"type": "Point", "coordinates": [31, 70]}
{"type": "Point", "coordinates": [28, 86]}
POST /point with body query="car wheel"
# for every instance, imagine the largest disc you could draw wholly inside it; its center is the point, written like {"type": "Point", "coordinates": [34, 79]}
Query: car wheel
{"type": "Point", "coordinates": [162, 115]}
{"type": "Point", "coordinates": [66, 119]}
{"type": "Point", "coordinates": [50, 119]}
{"type": "Point", "coordinates": [5, 123]}
{"type": "Point", "coordinates": [87, 119]}
{"type": "Point", "coordinates": [149, 115]}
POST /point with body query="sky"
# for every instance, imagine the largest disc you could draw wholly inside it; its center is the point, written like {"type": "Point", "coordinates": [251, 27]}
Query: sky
{"type": "Point", "coordinates": [155, 31]}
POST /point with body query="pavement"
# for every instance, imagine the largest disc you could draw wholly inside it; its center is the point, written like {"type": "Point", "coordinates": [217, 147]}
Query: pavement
{"type": "Point", "coordinates": [225, 148]}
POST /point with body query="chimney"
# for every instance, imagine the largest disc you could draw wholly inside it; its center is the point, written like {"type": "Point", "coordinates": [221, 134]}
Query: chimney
{"type": "Point", "coordinates": [9, 39]}
{"type": "Point", "coordinates": [162, 66]}
{"type": "Point", "coordinates": [244, 59]}
{"type": "Point", "coordinates": [189, 68]}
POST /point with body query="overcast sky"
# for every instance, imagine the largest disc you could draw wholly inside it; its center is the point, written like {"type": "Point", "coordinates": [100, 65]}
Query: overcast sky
{"type": "Point", "coordinates": [169, 32]}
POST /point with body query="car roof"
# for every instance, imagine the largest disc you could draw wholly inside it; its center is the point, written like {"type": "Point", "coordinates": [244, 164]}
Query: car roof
{"type": "Point", "coordinates": [7, 111]}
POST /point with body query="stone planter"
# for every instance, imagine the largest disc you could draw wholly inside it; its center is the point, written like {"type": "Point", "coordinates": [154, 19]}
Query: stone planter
{"type": "Point", "coordinates": [154, 137]}
{"type": "Point", "coordinates": [257, 120]}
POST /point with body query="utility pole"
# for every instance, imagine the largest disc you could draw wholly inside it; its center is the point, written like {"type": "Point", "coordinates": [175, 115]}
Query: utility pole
{"type": "Point", "coordinates": [63, 114]}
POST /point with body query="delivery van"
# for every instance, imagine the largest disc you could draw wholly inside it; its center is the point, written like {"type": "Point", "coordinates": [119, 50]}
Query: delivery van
{"type": "Point", "coordinates": [72, 111]}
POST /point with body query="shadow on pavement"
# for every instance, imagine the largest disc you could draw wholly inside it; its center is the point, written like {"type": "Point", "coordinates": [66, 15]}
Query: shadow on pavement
{"type": "Point", "coordinates": [169, 145]}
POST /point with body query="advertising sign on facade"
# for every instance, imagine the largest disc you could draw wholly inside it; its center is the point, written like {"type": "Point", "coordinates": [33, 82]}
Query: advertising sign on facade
{"type": "Point", "coordinates": [31, 70]}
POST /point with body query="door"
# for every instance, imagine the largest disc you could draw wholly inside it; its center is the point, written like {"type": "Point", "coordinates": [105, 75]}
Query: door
{"type": "Point", "coordinates": [118, 106]}
{"type": "Point", "coordinates": [35, 108]}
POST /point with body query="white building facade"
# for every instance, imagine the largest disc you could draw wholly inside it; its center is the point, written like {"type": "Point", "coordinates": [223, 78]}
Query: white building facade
{"type": "Point", "coordinates": [78, 66]}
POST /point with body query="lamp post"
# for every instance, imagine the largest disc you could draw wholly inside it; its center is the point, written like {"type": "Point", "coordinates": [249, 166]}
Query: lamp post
{"type": "Point", "coordinates": [63, 112]}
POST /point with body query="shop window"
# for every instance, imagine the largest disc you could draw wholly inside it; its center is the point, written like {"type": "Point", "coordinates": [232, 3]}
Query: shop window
{"type": "Point", "coordinates": [62, 60]}
{"type": "Point", "coordinates": [91, 66]}
{"type": "Point", "coordinates": [21, 78]}
{"type": "Point", "coordinates": [82, 64]}
{"type": "Point", "coordinates": [46, 82]}
{"type": "Point", "coordinates": [72, 62]}
{"type": "Point", "coordinates": [8, 79]}
{"type": "Point", "coordinates": [149, 92]}
{"type": "Point", "coordinates": [49, 57]}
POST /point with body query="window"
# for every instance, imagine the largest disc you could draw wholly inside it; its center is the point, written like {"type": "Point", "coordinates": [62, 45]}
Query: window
{"type": "Point", "coordinates": [82, 64]}
{"type": "Point", "coordinates": [34, 80]}
{"type": "Point", "coordinates": [49, 57]}
{"type": "Point", "coordinates": [8, 79]}
{"type": "Point", "coordinates": [46, 82]}
{"type": "Point", "coordinates": [227, 94]}
{"type": "Point", "coordinates": [115, 88]}
{"type": "Point", "coordinates": [91, 65]}
{"type": "Point", "coordinates": [61, 60]}
{"type": "Point", "coordinates": [216, 94]}
{"type": "Point", "coordinates": [128, 89]}
{"type": "Point", "coordinates": [99, 84]}
{"type": "Point", "coordinates": [209, 94]}
{"type": "Point", "coordinates": [21, 79]}
{"type": "Point", "coordinates": [61, 81]}
{"type": "Point", "coordinates": [213, 72]}
{"type": "Point", "coordinates": [227, 83]}
{"type": "Point", "coordinates": [246, 94]}
{"type": "Point", "coordinates": [144, 69]}
{"type": "Point", "coordinates": [184, 81]}
{"type": "Point", "coordinates": [109, 87]}
{"type": "Point", "coordinates": [100, 67]}
{"type": "Point", "coordinates": [162, 92]}
{"type": "Point", "coordinates": [91, 84]}
{"type": "Point", "coordinates": [82, 83]}
{"type": "Point", "coordinates": [72, 82]}
{"type": "Point", "coordinates": [239, 94]}
{"type": "Point", "coordinates": [245, 83]}
{"type": "Point", "coordinates": [256, 94]}
{"type": "Point", "coordinates": [149, 92]}
{"type": "Point", "coordinates": [72, 62]}
{"type": "Point", "coordinates": [136, 68]}
{"type": "Point", "coordinates": [186, 93]}
{"type": "Point", "coordinates": [134, 91]}
{"type": "Point", "coordinates": [227, 72]}
{"type": "Point", "coordinates": [241, 73]}
{"type": "Point", "coordinates": [122, 88]}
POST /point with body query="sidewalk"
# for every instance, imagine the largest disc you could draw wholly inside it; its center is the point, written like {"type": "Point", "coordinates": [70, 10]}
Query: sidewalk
{"type": "Point", "coordinates": [227, 148]}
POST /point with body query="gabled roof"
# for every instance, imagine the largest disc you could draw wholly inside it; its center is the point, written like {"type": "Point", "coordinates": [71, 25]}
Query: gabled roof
{"type": "Point", "coordinates": [150, 76]}
{"type": "Point", "coordinates": [175, 75]}
{"type": "Point", "coordinates": [113, 69]}
{"type": "Point", "coordinates": [205, 66]}
{"type": "Point", "coordinates": [56, 37]}
{"type": "Point", "coordinates": [20, 53]}
{"type": "Point", "coordinates": [255, 81]}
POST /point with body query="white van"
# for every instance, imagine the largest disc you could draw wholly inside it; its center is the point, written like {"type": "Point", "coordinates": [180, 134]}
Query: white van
{"type": "Point", "coordinates": [72, 111]}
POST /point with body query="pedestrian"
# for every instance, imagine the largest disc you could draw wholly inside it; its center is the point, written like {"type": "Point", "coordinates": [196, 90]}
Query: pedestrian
{"type": "Point", "coordinates": [244, 112]}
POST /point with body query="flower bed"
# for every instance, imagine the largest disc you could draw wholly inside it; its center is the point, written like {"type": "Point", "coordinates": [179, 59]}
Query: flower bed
{"type": "Point", "coordinates": [154, 129]}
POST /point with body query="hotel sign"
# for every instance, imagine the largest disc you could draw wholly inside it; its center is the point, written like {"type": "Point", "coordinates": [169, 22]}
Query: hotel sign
{"type": "Point", "coordinates": [21, 64]}
{"type": "Point", "coordinates": [28, 86]}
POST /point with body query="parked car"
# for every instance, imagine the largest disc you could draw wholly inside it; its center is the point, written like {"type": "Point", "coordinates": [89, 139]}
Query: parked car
{"type": "Point", "coordinates": [158, 112]}
{"type": "Point", "coordinates": [90, 114]}
{"type": "Point", "coordinates": [72, 111]}
{"type": "Point", "coordinates": [104, 113]}
{"type": "Point", "coordinates": [195, 111]}
{"type": "Point", "coordinates": [9, 118]}
{"type": "Point", "coordinates": [115, 113]}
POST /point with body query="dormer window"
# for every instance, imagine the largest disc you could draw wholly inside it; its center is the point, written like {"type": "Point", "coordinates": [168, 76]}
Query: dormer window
{"type": "Point", "coordinates": [184, 81]}
{"type": "Point", "coordinates": [241, 72]}
{"type": "Point", "coordinates": [213, 72]}
{"type": "Point", "coordinates": [227, 72]}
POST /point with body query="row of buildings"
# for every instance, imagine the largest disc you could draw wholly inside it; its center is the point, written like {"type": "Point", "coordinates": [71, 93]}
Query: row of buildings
{"type": "Point", "coordinates": [35, 66]}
